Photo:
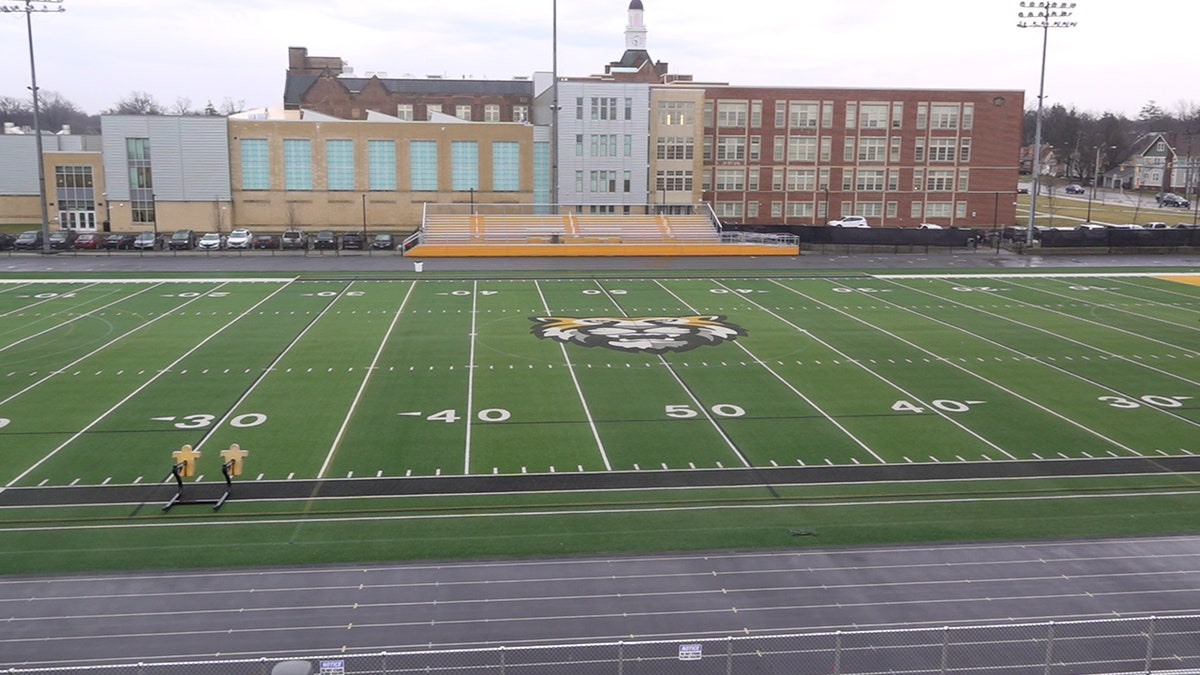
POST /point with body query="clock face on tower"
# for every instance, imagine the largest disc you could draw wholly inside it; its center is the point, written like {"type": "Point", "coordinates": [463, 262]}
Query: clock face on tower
{"type": "Point", "coordinates": [637, 41]}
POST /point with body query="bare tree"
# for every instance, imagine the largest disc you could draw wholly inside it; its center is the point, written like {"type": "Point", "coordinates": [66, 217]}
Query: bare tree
{"type": "Point", "coordinates": [137, 103]}
{"type": "Point", "coordinates": [183, 106]}
{"type": "Point", "coordinates": [229, 106]}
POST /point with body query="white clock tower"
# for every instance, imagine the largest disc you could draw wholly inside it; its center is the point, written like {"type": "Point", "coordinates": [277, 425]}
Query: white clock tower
{"type": "Point", "coordinates": [635, 32]}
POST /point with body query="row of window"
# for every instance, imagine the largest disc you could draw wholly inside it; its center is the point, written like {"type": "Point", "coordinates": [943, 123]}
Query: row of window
{"type": "Point", "coordinates": [857, 115]}
{"type": "Point", "coordinates": [729, 148]}
{"type": "Point", "coordinates": [341, 174]}
{"type": "Point", "coordinates": [918, 210]}
{"type": "Point", "coordinates": [491, 112]}
{"type": "Point", "coordinates": [606, 181]}
{"type": "Point", "coordinates": [859, 180]}
{"type": "Point", "coordinates": [604, 108]}
{"type": "Point", "coordinates": [604, 145]}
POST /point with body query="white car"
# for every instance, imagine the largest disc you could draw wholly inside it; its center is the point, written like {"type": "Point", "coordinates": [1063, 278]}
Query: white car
{"type": "Point", "coordinates": [239, 239]}
{"type": "Point", "coordinates": [849, 221]}
{"type": "Point", "coordinates": [929, 226]}
{"type": "Point", "coordinates": [1089, 226]}
{"type": "Point", "coordinates": [210, 242]}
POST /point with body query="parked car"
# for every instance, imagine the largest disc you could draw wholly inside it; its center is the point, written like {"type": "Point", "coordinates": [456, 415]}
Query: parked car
{"type": "Point", "coordinates": [1156, 225]}
{"type": "Point", "coordinates": [123, 241]}
{"type": "Point", "coordinates": [146, 240]}
{"type": "Point", "coordinates": [211, 241]}
{"type": "Point", "coordinates": [29, 240]}
{"type": "Point", "coordinates": [352, 240]}
{"type": "Point", "coordinates": [325, 240]}
{"type": "Point", "coordinates": [1126, 226]}
{"type": "Point", "coordinates": [384, 241]}
{"type": "Point", "coordinates": [63, 240]}
{"type": "Point", "coordinates": [239, 239]}
{"type": "Point", "coordinates": [6, 241]}
{"type": "Point", "coordinates": [1089, 226]}
{"type": "Point", "coordinates": [294, 239]}
{"type": "Point", "coordinates": [929, 226]}
{"type": "Point", "coordinates": [182, 240]}
{"type": "Point", "coordinates": [265, 241]}
{"type": "Point", "coordinates": [849, 221]}
{"type": "Point", "coordinates": [1074, 189]}
{"type": "Point", "coordinates": [1172, 199]}
{"type": "Point", "coordinates": [88, 241]}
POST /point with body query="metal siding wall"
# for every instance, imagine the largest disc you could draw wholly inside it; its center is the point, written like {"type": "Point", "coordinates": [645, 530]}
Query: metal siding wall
{"type": "Point", "coordinates": [18, 165]}
{"type": "Point", "coordinates": [638, 127]}
{"type": "Point", "coordinates": [203, 147]}
{"type": "Point", "coordinates": [189, 155]}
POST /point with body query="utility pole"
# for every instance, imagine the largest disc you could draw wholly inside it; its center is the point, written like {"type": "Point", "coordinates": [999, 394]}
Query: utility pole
{"type": "Point", "coordinates": [30, 7]}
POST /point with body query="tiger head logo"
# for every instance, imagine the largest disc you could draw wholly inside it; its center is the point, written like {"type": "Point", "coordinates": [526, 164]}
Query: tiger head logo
{"type": "Point", "coordinates": [651, 334]}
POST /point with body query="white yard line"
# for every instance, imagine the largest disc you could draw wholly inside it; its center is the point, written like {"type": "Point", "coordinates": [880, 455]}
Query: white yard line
{"type": "Point", "coordinates": [362, 386]}
{"type": "Point", "coordinates": [76, 318]}
{"type": "Point", "coordinates": [699, 406]}
{"type": "Point", "coordinates": [140, 388]}
{"type": "Point", "coordinates": [858, 363]}
{"type": "Point", "coordinates": [763, 364]}
{"type": "Point", "coordinates": [43, 301]}
{"type": "Point", "coordinates": [471, 379]}
{"type": "Point", "coordinates": [1065, 338]}
{"type": "Point", "coordinates": [270, 368]}
{"type": "Point", "coordinates": [587, 411]}
{"type": "Point", "coordinates": [977, 376]}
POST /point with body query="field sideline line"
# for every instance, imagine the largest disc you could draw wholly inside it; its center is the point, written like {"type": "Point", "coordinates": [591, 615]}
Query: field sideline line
{"type": "Point", "coordinates": [337, 439]}
{"type": "Point", "coordinates": [1003, 346]}
{"type": "Point", "coordinates": [145, 384]}
{"type": "Point", "coordinates": [858, 363]}
{"type": "Point", "coordinates": [1035, 275]}
{"type": "Point", "coordinates": [783, 379]}
{"type": "Point", "coordinates": [539, 513]}
{"type": "Point", "coordinates": [587, 411]}
{"type": "Point", "coordinates": [75, 318]}
{"type": "Point", "coordinates": [153, 280]}
{"type": "Point", "coordinates": [1058, 336]}
{"type": "Point", "coordinates": [468, 419]}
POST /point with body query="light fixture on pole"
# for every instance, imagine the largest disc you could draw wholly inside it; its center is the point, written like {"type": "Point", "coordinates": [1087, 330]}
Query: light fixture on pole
{"type": "Point", "coordinates": [1044, 15]}
{"type": "Point", "coordinates": [31, 6]}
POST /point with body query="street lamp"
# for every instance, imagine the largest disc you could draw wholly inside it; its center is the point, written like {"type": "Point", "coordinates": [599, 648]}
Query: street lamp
{"type": "Point", "coordinates": [1044, 15]}
{"type": "Point", "coordinates": [107, 212]}
{"type": "Point", "coordinates": [1096, 178]}
{"type": "Point", "coordinates": [30, 7]}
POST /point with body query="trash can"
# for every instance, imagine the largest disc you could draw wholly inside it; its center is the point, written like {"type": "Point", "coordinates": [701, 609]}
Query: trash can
{"type": "Point", "coordinates": [418, 266]}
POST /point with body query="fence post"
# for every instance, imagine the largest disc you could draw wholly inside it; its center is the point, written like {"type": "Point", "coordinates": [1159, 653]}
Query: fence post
{"type": "Point", "coordinates": [729, 655]}
{"type": "Point", "coordinates": [837, 654]}
{"type": "Point", "coordinates": [620, 657]}
{"type": "Point", "coordinates": [945, 647]}
{"type": "Point", "coordinates": [1150, 644]}
{"type": "Point", "coordinates": [502, 663]}
{"type": "Point", "coordinates": [1049, 646]}
{"type": "Point", "coordinates": [383, 667]}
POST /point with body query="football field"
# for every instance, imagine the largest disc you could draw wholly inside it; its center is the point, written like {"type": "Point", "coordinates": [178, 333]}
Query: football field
{"type": "Point", "coordinates": [103, 381]}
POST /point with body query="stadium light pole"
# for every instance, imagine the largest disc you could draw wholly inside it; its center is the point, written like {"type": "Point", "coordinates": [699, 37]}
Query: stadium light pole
{"type": "Point", "coordinates": [31, 6]}
{"type": "Point", "coordinates": [1045, 15]}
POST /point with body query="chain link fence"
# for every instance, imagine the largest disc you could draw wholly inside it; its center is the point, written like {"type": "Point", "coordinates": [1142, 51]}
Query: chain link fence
{"type": "Point", "coordinates": [1115, 646]}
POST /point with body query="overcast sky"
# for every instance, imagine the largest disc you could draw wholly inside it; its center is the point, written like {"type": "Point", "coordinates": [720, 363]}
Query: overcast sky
{"type": "Point", "coordinates": [1120, 55]}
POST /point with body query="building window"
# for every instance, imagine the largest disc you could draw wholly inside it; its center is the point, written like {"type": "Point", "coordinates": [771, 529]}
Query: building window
{"type": "Point", "coordinates": [731, 114]}
{"type": "Point", "coordinates": [893, 180]}
{"type": "Point", "coordinates": [919, 150]}
{"type": "Point", "coordinates": [938, 210]}
{"type": "Point", "coordinates": [423, 165]}
{"type": "Point", "coordinates": [752, 210]}
{"type": "Point", "coordinates": [676, 147]}
{"type": "Point", "coordinates": [381, 165]}
{"type": "Point", "coordinates": [826, 114]}
{"type": "Point", "coordinates": [943, 116]}
{"type": "Point", "coordinates": [851, 115]}
{"type": "Point", "coordinates": [673, 181]}
{"type": "Point", "coordinates": [803, 115]}
{"type": "Point", "coordinates": [943, 149]}
{"type": "Point", "coordinates": [297, 164]}
{"type": "Point", "coordinates": [339, 164]}
{"type": "Point", "coordinates": [801, 180]}
{"type": "Point", "coordinates": [141, 180]}
{"type": "Point", "coordinates": [755, 148]}
{"type": "Point", "coordinates": [729, 180]}
{"type": "Point", "coordinates": [776, 209]}
{"type": "Point", "coordinates": [940, 180]}
{"type": "Point", "coordinates": [848, 149]}
{"type": "Point", "coordinates": [826, 149]}
{"type": "Point", "coordinates": [731, 148]}
{"type": "Point", "coordinates": [628, 109]}
{"type": "Point", "coordinates": [873, 116]}
{"type": "Point", "coordinates": [780, 114]}
{"type": "Point", "coordinates": [756, 114]}
{"type": "Point", "coordinates": [676, 113]}
{"type": "Point", "coordinates": [897, 115]}
{"type": "Point", "coordinates": [922, 114]}
{"type": "Point", "coordinates": [463, 112]}
{"type": "Point", "coordinates": [752, 181]}
{"type": "Point", "coordinates": [604, 181]}
{"type": "Point", "coordinates": [872, 149]}
{"type": "Point", "coordinates": [628, 145]}
{"type": "Point", "coordinates": [604, 108]}
{"type": "Point", "coordinates": [963, 175]}
{"type": "Point", "coordinates": [777, 153]}
{"type": "Point", "coordinates": [464, 165]}
{"type": "Point", "coordinates": [894, 154]}
{"type": "Point", "coordinates": [802, 149]}
{"type": "Point", "coordinates": [777, 179]}
{"type": "Point", "coordinates": [968, 116]}
{"type": "Point", "coordinates": [729, 209]}
{"type": "Point", "coordinates": [578, 107]}
{"type": "Point", "coordinates": [964, 150]}
{"type": "Point", "coordinates": [404, 111]}
{"type": "Point", "coordinates": [869, 180]}
{"type": "Point", "coordinates": [491, 113]}
{"type": "Point", "coordinates": [579, 145]}
{"type": "Point", "coordinates": [627, 181]}
{"type": "Point", "coordinates": [521, 114]}
{"type": "Point", "coordinates": [506, 166]}
{"type": "Point", "coordinates": [799, 210]}
{"type": "Point", "coordinates": [256, 164]}
{"type": "Point", "coordinates": [73, 192]}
